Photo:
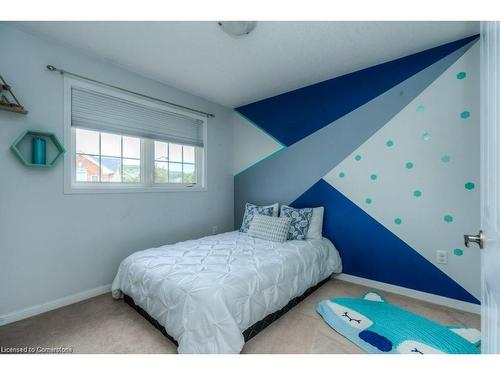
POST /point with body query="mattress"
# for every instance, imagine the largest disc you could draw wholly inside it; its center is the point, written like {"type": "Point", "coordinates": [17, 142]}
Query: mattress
{"type": "Point", "coordinates": [206, 292]}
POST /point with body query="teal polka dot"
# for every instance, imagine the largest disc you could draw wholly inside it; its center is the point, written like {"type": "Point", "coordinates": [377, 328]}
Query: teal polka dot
{"type": "Point", "coordinates": [368, 200]}
{"type": "Point", "coordinates": [445, 158]}
{"type": "Point", "coordinates": [458, 252]}
{"type": "Point", "coordinates": [465, 114]}
{"type": "Point", "coordinates": [448, 218]}
{"type": "Point", "coordinates": [389, 143]}
{"type": "Point", "coordinates": [409, 165]}
{"type": "Point", "coordinates": [461, 75]}
{"type": "Point", "coordinates": [420, 108]}
{"type": "Point", "coordinates": [357, 157]}
{"type": "Point", "coordinates": [373, 177]}
{"type": "Point", "coordinates": [397, 221]}
{"type": "Point", "coordinates": [470, 186]}
{"type": "Point", "coordinates": [341, 174]}
{"type": "Point", "coordinates": [426, 136]}
{"type": "Point", "coordinates": [417, 193]}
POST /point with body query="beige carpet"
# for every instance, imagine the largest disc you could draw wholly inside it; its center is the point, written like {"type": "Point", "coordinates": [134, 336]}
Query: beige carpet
{"type": "Point", "coordinates": [104, 325]}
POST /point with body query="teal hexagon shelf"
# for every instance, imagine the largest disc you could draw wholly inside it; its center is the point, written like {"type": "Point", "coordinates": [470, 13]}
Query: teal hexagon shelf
{"type": "Point", "coordinates": [16, 147]}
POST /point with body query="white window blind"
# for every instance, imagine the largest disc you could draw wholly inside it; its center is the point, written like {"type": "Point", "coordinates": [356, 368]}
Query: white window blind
{"type": "Point", "coordinates": [98, 111]}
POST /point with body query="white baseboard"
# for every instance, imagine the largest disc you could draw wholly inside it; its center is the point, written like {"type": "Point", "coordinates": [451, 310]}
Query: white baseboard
{"type": "Point", "coordinates": [423, 296]}
{"type": "Point", "coordinates": [68, 300]}
{"type": "Point", "coordinates": [52, 305]}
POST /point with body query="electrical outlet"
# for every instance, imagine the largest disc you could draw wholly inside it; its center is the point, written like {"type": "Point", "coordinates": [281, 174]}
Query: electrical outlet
{"type": "Point", "coordinates": [215, 228]}
{"type": "Point", "coordinates": [441, 257]}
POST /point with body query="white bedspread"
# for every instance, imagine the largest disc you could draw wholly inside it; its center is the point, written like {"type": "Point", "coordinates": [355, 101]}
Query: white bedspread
{"type": "Point", "coordinates": [206, 292]}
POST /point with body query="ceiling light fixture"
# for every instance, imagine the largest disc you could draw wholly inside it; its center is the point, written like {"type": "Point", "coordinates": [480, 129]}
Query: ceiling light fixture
{"type": "Point", "coordinates": [237, 28]}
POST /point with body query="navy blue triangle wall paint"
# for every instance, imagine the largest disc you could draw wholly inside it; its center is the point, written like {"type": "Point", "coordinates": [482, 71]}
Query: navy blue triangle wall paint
{"type": "Point", "coordinates": [371, 251]}
{"type": "Point", "coordinates": [296, 114]}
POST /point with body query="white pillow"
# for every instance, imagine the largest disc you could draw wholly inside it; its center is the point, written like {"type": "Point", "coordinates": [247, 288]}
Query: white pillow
{"type": "Point", "coordinates": [315, 231]}
{"type": "Point", "coordinates": [276, 209]}
{"type": "Point", "coordinates": [270, 228]}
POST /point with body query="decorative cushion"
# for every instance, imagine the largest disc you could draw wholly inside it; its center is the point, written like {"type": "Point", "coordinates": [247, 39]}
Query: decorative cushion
{"type": "Point", "coordinates": [301, 219]}
{"type": "Point", "coordinates": [270, 228]}
{"type": "Point", "coordinates": [315, 231]}
{"type": "Point", "coordinates": [276, 209]}
{"type": "Point", "coordinates": [252, 209]}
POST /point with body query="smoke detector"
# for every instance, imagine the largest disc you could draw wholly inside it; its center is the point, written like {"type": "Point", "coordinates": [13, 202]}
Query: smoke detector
{"type": "Point", "coordinates": [237, 28]}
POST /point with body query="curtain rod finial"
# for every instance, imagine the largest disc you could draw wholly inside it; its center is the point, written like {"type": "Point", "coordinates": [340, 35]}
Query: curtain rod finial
{"type": "Point", "coordinates": [52, 68]}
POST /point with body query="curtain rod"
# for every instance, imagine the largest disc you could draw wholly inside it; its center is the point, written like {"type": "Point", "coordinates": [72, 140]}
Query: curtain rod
{"type": "Point", "coordinates": [52, 68]}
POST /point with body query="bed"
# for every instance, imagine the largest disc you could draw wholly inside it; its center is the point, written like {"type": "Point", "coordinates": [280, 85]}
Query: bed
{"type": "Point", "coordinates": [206, 293]}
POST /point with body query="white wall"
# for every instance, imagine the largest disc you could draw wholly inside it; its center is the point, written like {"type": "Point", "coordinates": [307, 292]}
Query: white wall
{"type": "Point", "coordinates": [54, 245]}
{"type": "Point", "coordinates": [251, 144]}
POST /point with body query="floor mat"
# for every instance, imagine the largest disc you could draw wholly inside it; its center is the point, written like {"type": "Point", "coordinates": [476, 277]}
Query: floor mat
{"type": "Point", "coordinates": [378, 326]}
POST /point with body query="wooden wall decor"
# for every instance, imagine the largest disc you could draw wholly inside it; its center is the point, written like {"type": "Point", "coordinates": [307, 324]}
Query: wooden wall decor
{"type": "Point", "coordinates": [12, 104]}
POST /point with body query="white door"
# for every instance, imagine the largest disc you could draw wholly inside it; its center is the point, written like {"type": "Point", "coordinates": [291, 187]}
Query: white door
{"type": "Point", "coordinates": [490, 186]}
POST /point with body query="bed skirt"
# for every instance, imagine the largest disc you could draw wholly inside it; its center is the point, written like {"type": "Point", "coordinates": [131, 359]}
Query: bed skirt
{"type": "Point", "coordinates": [250, 331]}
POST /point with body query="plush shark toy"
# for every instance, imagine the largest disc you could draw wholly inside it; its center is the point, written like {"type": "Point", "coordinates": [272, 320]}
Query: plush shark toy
{"type": "Point", "coordinates": [378, 326]}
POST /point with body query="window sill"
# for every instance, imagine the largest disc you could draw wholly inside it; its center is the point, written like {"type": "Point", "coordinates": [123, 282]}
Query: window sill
{"type": "Point", "coordinates": [130, 189]}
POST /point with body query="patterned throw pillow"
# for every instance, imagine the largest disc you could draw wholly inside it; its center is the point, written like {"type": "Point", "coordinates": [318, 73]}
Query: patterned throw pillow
{"type": "Point", "coordinates": [301, 219]}
{"type": "Point", "coordinates": [270, 228]}
{"type": "Point", "coordinates": [250, 211]}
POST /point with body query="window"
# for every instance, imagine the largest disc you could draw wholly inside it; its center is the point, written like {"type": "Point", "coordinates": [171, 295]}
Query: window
{"type": "Point", "coordinates": [174, 163]}
{"type": "Point", "coordinates": [104, 157]}
{"type": "Point", "coordinates": [120, 143]}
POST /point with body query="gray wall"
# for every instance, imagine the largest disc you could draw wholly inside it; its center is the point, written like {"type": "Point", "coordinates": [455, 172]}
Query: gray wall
{"type": "Point", "coordinates": [54, 245]}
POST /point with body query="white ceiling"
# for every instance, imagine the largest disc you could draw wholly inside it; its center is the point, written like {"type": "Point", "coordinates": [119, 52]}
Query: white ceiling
{"type": "Point", "coordinates": [276, 57]}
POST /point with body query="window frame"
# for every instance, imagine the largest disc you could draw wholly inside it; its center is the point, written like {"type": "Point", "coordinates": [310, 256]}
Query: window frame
{"type": "Point", "coordinates": [147, 184]}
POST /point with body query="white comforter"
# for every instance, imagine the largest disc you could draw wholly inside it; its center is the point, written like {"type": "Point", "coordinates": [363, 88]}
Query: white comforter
{"type": "Point", "coordinates": [206, 292]}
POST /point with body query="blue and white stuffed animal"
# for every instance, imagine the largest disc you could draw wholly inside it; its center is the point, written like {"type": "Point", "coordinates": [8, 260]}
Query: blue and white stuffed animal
{"type": "Point", "coordinates": [378, 326]}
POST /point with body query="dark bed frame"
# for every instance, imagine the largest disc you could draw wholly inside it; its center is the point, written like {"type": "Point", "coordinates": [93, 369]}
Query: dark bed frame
{"type": "Point", "coordinates": [250, 331]}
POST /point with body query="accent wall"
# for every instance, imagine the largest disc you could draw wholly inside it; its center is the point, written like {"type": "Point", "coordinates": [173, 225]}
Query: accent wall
{"type": "Point", "coordinates": [391, 152]}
